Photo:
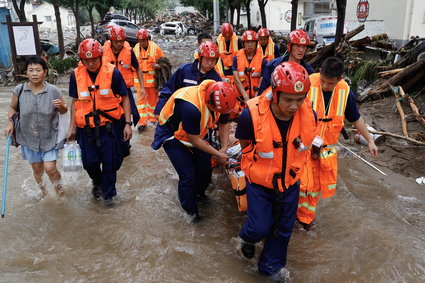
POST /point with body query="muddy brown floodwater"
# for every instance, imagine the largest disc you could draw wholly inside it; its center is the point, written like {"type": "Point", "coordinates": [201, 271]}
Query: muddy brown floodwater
{"type": "Point", "coordinates": [372, 230]}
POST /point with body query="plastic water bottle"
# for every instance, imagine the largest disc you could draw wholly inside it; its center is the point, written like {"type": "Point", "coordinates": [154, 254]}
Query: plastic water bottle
{"type": "Point", "coordinates": [66, 164]}
{"type": "Point", "coordinates": [71, 157]}
{"type": "Point", "coordinates": [78, 160]}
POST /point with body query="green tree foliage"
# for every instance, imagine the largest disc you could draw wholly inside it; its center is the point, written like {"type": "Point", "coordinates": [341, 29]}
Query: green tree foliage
{"type": "Point", "coordinates": [141, 10]}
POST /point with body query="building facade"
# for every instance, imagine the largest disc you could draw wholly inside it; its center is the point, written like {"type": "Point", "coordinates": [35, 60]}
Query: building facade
{"type": "Point", "coordinates": [399, 19]}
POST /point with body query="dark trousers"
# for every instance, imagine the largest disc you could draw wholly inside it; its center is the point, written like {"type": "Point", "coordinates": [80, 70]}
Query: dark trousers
{"type": "Point", "coordinates": [102, 163]}
{"type": "Point", "coordinates": [194, 169]}
{"type": "Point", "coordinates": [271, 215]}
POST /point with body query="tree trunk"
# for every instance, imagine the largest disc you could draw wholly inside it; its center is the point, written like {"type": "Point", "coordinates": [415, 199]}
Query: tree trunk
{"type": "Point", "coordinates": [59, 28]}
{"type": "Point", "coordinates": [102, 10]}
{"type": "Point", "coordinates": [20, 11]}
{"type": "Point", "coordinates": [341, 4]}
{"type": "Point", "coordinates": [232, 14]}
{"type": "Point", "coordinates": [90, 10]}
{"type": "Point", "coordinates": [74, 9]}
{"type": "Point", "coordinates": [238, 15]}
{"type": "Point", "coordinates": [248, 13]}
{"type": "Point", "coordinates": [262, 5]}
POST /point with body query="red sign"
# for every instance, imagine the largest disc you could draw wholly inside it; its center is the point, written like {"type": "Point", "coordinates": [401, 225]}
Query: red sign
{"type": "Point", "coordinates": [362, 10]}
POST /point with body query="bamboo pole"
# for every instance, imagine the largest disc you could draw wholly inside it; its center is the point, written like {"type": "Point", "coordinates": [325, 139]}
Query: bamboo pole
{"type": "Point", "coordinates": [398, 136]}
{"type": "Point", "coordinates": [390, 72]}
{"type": "Point", "coordinates": [415, 109]}
{"type": "Point", "coordinates": [402, 115]}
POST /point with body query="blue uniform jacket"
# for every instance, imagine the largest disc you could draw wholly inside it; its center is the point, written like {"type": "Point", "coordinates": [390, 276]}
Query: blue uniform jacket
{"type": "Point", "coordinates": [267, 73]}
{"type": "Point", "coordinates": [186, 75]}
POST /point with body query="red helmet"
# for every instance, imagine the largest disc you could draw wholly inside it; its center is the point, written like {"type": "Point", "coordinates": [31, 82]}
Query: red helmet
{"type": "Point", "coordinates": [289, 77]}
{"type": "Point", "coordinates": [227, 30]}
{"type": "Point", "coordinates": [249, 35]}
{"type": "Point", "coordinates": [90, 48]}
{"type": "Point", "coordinates": [298, 36]}
{"type": "Point", "coordinates": [221, 97]}
{"type": "Point", "coordinates": [142, 34]}
{"type": "Point", "coordinates": [116, 33]}
{"type": "Point", "coordinates": [208, 49]}
{"type": "Point", "coordinates": [263, 32]}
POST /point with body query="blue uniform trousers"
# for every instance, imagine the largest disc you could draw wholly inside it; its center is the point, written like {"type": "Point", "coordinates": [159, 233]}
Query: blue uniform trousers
{"type": "Point", "coordinates": [271, 215]}
{"type": "Point", "coordinates": [194, 169]}
{"type": "Point", "coordinates": [102, 163]}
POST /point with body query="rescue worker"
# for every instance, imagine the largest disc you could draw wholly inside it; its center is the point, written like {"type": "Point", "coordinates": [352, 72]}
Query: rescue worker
{"type": "Point", "coordinates": [147, 52]}
{"type": "Point", "coordinates": [228, 44]}
{"type": "Point", "coordinates": [333, 101]}
{"type": "Point", "coordinates": [269, 49]}
{"type": "Point", "coordinates": [118, 52]}
{"type": "Point", "coordinates": [247, 66]}
{"type": "Point", "coordinates": [219, 68]}
{"type": "Point", "coordinates": [298, 42]}
{"type": "Point", "coordinates": [183, 123]}
{"type": "Point", "coordinates": [100, 105]}
{"type": "Point", "coordinates": [275, 131]}
{"type": "Point", "coordinates": [191, 74]}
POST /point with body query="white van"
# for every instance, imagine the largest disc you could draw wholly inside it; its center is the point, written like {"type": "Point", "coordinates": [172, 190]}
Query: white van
{"type": "Point", "coordinates": [322, 29]}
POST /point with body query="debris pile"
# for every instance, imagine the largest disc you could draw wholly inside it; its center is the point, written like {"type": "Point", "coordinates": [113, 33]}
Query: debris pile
{"type": "Point", "coordinates": [191, 19]}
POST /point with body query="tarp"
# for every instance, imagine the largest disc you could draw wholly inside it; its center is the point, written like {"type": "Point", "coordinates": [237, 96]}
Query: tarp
{"type": "Point", "coordinates": [5, 51]}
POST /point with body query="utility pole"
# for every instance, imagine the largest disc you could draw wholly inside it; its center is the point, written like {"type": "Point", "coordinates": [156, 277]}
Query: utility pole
{"type": "Point", "coordinates": [216, 9]}
{"type": "Point", "coordinates": [294, 14]}
{"type": "Point", "coordinates": [341, 5]}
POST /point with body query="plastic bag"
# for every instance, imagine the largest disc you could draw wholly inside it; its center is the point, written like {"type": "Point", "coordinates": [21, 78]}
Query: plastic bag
{"type": "Point", "coordinates": [63, 127]}
{"type": "Point", "coordinates": [71, 157]}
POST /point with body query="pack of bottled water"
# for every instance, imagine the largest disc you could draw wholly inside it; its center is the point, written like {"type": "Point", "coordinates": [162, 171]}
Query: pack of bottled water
{"type": "Point", "coordinates": [71, 157]}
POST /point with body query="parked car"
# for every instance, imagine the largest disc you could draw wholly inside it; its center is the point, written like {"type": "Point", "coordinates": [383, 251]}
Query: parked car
{"type": "Point", "coordinates": [129, 28]}
{"type": "Point", "coordinates": [177, 28]}
{"type": "Point", "coordinates": [115, 16]}
{"type": "Point", "coordinates": [192, 30]}
{"type": "Point", "coordinates": [322, 29]}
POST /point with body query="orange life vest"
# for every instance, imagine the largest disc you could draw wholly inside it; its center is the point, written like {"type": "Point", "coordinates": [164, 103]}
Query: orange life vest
{"type": "Point", "coordinates": [123, 62]}
{"type": "Point", "coordinates": [96, 96]}
{"type": "Point", "coordinates": [194, 95]}
{"type": "Point", "coordinates": [331, 123]}
{"type": "Point", "coordinates": [250, 73]}
{"type": "Point", "coordinates": [262, 160]}
{"type": "Point", "coordinates": [146, 58]}
{"type": "Point", "coordinates": [269, 54]}
{"type": "Point", "coordinates": [227, 55]}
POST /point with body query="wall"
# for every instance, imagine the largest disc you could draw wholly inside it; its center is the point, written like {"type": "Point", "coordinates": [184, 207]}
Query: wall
{"type": "Point", "coordinates": [275, 11]}
{"type": "Point", "coordinates": [417, 16]}
{"type": "Point", "coordinates": [46, 14]}
{"type": "Point", "coordinates": [392, 14]}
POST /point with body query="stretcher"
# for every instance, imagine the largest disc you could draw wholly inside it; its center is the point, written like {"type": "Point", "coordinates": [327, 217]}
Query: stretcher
{"type": "Point", "coordinates": [237, 176]}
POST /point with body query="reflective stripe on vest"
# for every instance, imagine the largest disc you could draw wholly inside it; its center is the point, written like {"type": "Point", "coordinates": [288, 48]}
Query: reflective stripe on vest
{"type": "Point", "coordinates": [254, 75]}
{"type": "Point", "coordinates": [262, 161]}
{"type": "Point", "coordinates": [331, 123]}
{"type": "Point", "coordinates": [269, 53]}
{"type": "Point", "coordinates": [195, 96]}
{"type": "Point", "coordinates": [227, 55]}
{"type": "Point", "coordinates": [99, 95]}
{"type": "Point", "coordinates": [146, 58]}
{"type": "Point", "coordinates": [123, 62]}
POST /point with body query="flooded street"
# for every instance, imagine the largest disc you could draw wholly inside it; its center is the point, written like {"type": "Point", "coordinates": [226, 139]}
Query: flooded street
{"type": "Point", "coordinates": [373, 230]}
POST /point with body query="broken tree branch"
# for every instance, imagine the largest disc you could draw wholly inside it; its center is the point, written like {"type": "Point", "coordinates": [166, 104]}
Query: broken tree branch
{"type": "Point", "coordinates": [390, 72]}
{"type": "Point", "coordinates": [398, 136]}
{"type": "Point", "coordinates": [400, 110]}
{"type": "Point", "coordinates": [415, 109]}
